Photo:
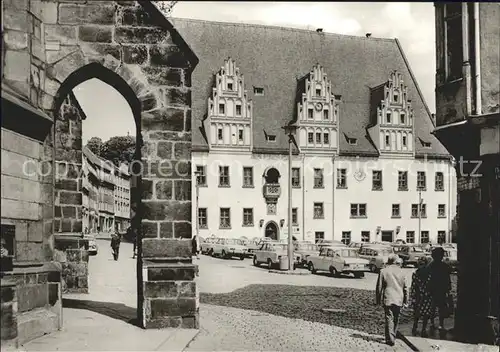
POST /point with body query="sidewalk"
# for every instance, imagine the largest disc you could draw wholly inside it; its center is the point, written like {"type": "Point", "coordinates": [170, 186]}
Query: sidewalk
{"type": "Point", "coordinates": [440, 341]}
{"type": "Point", "coordinates": [86, 330]}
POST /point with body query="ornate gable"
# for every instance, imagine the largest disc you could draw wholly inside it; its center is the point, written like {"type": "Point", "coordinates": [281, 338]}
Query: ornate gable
{"type": "Point", "coordinates": [317, 112]}
{"type": "Point", "coordinates": [230, 111]}
{"type": "Point", "coordinates": [392, 117]}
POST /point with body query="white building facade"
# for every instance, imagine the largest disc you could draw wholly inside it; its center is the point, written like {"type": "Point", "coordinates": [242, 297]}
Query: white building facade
{"type": "Point", "coordinates": [366, 160]}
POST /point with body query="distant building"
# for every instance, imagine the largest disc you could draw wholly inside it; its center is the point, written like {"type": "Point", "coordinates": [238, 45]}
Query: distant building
{"type": "Point", "coordinates": [367, 153]}
{"type": "Point", "coordinates": [106, 194]}
{"type": "Point", "coordinates": [468, 124]}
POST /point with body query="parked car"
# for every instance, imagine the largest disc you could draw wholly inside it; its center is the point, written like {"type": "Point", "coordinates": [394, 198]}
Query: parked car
{"type": "Point", "coordinates": [305, 249]}
{"type": "Point", "coordinates": [356, 245]}
{"type": "Point", "coordinates": [451, 258]}
{"type": "Point", "coordinates": [329, 243]}
{"type": "Point", "coordinates": [409, 254]}
{"type": "Point", "coordinates": [93, 248]}
{"type": "Point", "coordinates": [377, 255]}
{"type": "Point", "coordinates": [270, 253]}
{"type": "Point", "coordinates": [206, 247]}
{"type": "Point", "coordinates": [257, 244]}
{"type": "Point", "coordinates": [229, 247]}
{"type": "Point", "coordinates": [337, 261]}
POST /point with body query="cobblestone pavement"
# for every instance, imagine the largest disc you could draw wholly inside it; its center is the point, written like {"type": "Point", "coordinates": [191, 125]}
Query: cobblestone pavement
{"type": "Point", "coordinates": [232, 329]}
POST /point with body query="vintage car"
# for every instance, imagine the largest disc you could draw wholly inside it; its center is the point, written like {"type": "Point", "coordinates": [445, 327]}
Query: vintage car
{"type": "Point", "coordinates": [305, 249]}
{"type": "Point", "coordinates": [377, 255]}
{"type": "Point", "coordinates": [357, 245]}
{"type": "Point", "coordinates": [409, 254]}
{"type": "Point", "coordinates": [93, 248]}
{"type": "Point", "coordinates": [256, 244]}
{"type": "Point", "coordinates": [338, 260]}
{"type": "Point", "coordinates": [330, 243]}
{"type": "Point", "coordinates": [206, 247]}
{"type": "Point", "coordinates": [229, 247]}
{"type": "Point", "coordinates": [271, 252]}
{"type": "Point", "coordinates": [451, 258]}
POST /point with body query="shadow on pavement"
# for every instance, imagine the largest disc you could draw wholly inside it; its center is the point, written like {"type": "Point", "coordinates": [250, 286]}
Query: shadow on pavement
{"type": "Point", "coordinates": [117, 311]}
{"type": "Point", "coordinates": [368, 338]}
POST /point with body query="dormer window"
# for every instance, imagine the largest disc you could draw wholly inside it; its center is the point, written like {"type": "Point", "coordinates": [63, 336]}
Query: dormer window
{"type": "Point", "coordinates": [229, 86]}
{"type": "Point", "coordinates": [325, 115]}
{"type": "Point", "coordinates": [310, 113]}
{"type": "Point", "coordinates": [403, 120]}
{"type": "Point", "coordinates": [271, 138]}
{"type": "Point", "coordinates": [387, 141]}
{"type": "Point", "coordinates": [426, 144]}
{"type": "Point", "coordinates": [388, 117]}
{"type": "Point", "coordinates": [222, 109]}
{"type": "Point", "coordinates": [258, 91]}
{"type": "Point", "coordinates": [238, 110]}
{"type": "Point", "coordinates": [318, 92]}
{"type": "Point", "coordinates": [219, 134]}
{"type": "Point", "coordinates": [352, 141]}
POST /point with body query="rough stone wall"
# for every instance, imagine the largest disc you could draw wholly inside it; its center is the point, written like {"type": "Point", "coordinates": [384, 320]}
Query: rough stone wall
{"type": "Point", "coordinates": [8, 326]}
{"type": "Point", "coordinates": [132, 42]}
{"type": "Point", "coordinates": [72, 252]}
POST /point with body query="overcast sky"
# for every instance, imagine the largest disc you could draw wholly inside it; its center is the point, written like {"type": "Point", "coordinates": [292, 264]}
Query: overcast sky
{"type": "Point", "coordinates": [411, 23]}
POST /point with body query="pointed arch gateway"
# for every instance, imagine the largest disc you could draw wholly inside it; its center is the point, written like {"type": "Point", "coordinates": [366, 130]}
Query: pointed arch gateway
{"type": "Point", "coordinates": [161, 106]}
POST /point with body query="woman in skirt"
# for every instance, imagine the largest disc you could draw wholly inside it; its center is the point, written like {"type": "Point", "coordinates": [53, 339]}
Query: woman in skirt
{"type": "Point", "coordinates": [421, 296]}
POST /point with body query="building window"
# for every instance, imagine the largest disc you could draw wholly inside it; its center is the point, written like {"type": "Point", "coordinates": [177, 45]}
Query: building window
{"type": "Point", "coordinates": [402, 180]}
{"type": "Point", "coordinates": [441, 210]}
{"type": "Point", "coordinates": [247, 216]}
{"type": "Point", "coordinates": [404, 141]}
{"type": "Point", "coordinates": [387, 141]}
{"type": "Point", "coordinates": [410, 236]}
{"type": "Point", "coordinates": [346, 237]}
{"type": "Point", "coordinates": [388, 117]}
{"type": "Point", "coordinates": [326, 138]}
{"type": "Point", "coordinates": [201, 175]}
{"type": "Point", "coordinates": [421, 181]}
{"type": "Point", "coordinates": [219, 134]}
{"type": "Point", "coordinates": [318, 92]}
{"type": "Point", "coordinates": [396, 211]}
{"type": "Point", "coordinates": [414, 211]}
{"type": "Point", "coordinates": [453, 40]}
{"type": "Point", "coordinates": [352, 141]}
{"type": "Point", "coordinates": [271, 138]}
{"type": "Point", "coordinates": [365, 236]}
{"type": "Point", "coordinates": [424, 237]}
{"type": "Point", "coordinates": [377, 180]}
{"type": "Point", "coordinates": [318, 211]}
{"type": "Point", "coordinates": [441, 237]}
{"type": "Point", "coordinates": [358, 210]}
{"type": "Point", "coordinates": [319, 236]}
{"type": "Point", "coordinates": [439, 181]}
{"type": "Point", "coordinates": [202, 218]}
{"type": "Point", "coordinates": [325, 115]}
{"type": "Point", "coordinates": [240, 135]}
{"type": "Point", "coordinates": [295, 216]}
{"type": "Point", "coordinates": [310, 113]}
{"type": "Point", "coordinates": [248, 176]}
{"type": "Point", "coordinates": [229, 86]}
{"type": "Point", "coordinates": [403, 121]}
{"type": "Point", "coordinates": [310, 137]}
{"type": "Point", "coordinates": [341, 178]}
{"type": "Point", "coordinates": [318, 137]}
{"type": "Point", "coordinates": [238, 110]}
{"type": "Point", "coordinates": [225, 218]}
{"type": "Point", "coordinates": [222, 109]}
{"type": "Point", "coordinates": [296, 177]}
{"type": "Point", "coordinates": [396, 97]}
{"type": "Point", "coordinates": [223, 176]}
{"type": "Point", "coordinates": [258, 91]}
{"type": "Point", "coordinates": [318, 178]}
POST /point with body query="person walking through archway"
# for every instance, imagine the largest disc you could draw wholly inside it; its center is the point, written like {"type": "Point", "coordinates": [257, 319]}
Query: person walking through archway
{"type": "Point", "coordinates": [440, 287]}
{"type": "Point", "coordinates": [420, 296]}
{"type": "Point", "coordinates": [392, 294]}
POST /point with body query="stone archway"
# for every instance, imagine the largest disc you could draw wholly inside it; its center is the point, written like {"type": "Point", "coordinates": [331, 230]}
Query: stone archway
{"type": "Point", "coordinates": [133, 47]}
{"type": "Point", "coordinates": [272, 230]}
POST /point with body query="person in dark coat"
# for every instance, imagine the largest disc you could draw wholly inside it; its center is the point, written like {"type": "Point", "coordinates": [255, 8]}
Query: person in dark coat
{"type": "Point", "coordinates": [440, 286]}
{"type": "Point", "coordinates": [116, 239]}
{"type": "Point", "coordinates": [194, 246]}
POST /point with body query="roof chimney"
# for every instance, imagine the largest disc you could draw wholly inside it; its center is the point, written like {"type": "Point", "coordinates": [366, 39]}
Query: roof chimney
{"type": "Point", "coordinates": [319, 30]}
{"type": "Point", "coordinates": [368, 35]}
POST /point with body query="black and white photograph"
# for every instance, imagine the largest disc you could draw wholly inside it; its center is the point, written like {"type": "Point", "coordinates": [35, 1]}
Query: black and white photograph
{"type": "Point", "coordinates": [221, 176]}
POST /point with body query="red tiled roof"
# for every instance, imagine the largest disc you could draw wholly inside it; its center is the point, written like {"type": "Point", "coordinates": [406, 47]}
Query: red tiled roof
{"type": "Point", "coordinates": [275, 58]}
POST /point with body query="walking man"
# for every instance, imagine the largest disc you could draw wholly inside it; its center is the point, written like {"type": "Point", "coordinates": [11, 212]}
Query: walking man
{"type": "Point", "coordinates": [116, 239]}
{"type": "Point", "coordinates": [392, 294]}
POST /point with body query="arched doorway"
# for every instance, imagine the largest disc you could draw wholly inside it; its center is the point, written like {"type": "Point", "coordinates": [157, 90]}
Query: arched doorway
{"type": "Point", "coordinates": [271, 230]}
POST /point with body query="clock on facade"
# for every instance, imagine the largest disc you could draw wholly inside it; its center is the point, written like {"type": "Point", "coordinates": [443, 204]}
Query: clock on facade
{"type": "Point", "coordinates": [359, 175]}
{"type": "Point", "coordinates": [318, 106]}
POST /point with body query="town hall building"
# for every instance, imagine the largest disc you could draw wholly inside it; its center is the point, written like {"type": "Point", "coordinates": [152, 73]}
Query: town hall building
{"type": "Point", "coordinates": [367, 157]}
